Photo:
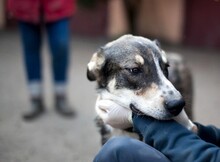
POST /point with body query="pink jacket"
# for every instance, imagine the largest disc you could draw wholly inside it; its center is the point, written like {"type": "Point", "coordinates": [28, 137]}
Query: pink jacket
{"type": "Point", "coordinates": [31, 10]}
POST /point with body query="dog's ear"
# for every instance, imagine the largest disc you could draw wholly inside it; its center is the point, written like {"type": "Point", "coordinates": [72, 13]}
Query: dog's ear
{"type": "Point", "coordinates": [157, 43]}
{"type": "Point", "coordinates": [95, 65]}
{"type": "Point", "coordinates": [163, 53]}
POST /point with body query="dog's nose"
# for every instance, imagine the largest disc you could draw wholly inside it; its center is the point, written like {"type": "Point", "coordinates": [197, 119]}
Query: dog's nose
{"type": "Point", "coordinates": [175, 106]}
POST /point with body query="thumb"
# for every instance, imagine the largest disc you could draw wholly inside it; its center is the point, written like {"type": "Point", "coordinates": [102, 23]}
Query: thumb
{"type": "Point", "coordinates": [104, 107]}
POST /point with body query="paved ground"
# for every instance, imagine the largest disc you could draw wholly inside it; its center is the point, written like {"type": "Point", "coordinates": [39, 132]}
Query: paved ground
{"type": "Point", "coordinates": [56, 139]}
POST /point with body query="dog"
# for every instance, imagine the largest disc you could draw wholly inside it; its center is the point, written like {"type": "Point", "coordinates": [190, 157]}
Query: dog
{"type": "Point", "coordinates": [134, 71]}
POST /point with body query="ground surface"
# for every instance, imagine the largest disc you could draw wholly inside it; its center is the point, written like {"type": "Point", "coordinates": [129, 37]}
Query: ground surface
{"type": "Point", "coordinates": [55, 139]}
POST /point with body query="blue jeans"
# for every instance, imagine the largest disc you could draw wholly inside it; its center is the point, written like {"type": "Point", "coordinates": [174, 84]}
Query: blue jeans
{"type": "Point", "coordinates": [125, 149]}
{"type": "Point", "coordinates": [59, 38]}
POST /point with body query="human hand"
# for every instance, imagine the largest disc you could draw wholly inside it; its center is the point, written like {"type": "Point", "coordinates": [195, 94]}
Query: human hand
{"type": "Point", "coordinates": [114, 114]}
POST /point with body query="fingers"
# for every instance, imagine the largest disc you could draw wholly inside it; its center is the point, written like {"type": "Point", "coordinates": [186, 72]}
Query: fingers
{"type": "Point", "coordinates": [108, 109]}
{"type": "Point", "coordinates": [113, 114]}
{"type": "Point", "coordinates": [120, 100]}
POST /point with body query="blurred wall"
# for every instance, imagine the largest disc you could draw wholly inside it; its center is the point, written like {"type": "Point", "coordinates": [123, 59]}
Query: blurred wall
{"type": "Point", "coordinates": [2, 14]}
{"type": "Point", "coordinates": [191, 22]}
{"type": "Point", "coordinates": [161, 19]}
{"type": "Point", "coordinates": [90, 20]}
{"type": "Point", "coordinates": [202, 26]}
{"type": "Point", "coordinates": [117, 23]}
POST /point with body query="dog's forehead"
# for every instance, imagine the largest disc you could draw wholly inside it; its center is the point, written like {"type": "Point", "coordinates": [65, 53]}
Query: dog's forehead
{"type": "Point", "coordinates": [131, 46]}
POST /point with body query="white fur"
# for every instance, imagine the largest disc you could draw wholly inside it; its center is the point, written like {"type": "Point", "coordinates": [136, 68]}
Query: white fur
{"type": "Point", "coordinates": [164, 56]}
{"type": "Point", "coordinates": [166, 85]}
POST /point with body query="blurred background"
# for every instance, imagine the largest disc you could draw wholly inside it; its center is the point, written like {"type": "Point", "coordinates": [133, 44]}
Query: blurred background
{"type": "Point", "coordinates": [188, 27]}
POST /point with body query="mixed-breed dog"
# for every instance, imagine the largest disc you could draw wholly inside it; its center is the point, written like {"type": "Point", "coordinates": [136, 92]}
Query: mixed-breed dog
{"type": "Point", "coordinates": [137, 74]}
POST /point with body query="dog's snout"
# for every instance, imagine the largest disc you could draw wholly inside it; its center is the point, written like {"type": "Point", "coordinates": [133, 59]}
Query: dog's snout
{"type": "Point", "coordinates": [175, 106]}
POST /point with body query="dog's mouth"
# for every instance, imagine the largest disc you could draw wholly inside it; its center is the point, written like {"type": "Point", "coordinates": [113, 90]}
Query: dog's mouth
{"type": "Point", "coordinates": [135, 110]}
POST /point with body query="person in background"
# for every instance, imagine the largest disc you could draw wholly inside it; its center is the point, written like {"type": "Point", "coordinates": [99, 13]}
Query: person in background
{"type": "Point", "coordinates": [54, 17]}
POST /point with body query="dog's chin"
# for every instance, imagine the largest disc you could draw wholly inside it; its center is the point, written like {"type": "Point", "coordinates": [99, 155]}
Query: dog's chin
{"type": "Point", "coordinates": [159, 115]}
{"type": "Point", "coordinates": [136, 111]}
{"type": "Point", "coordinates": [164, 117]}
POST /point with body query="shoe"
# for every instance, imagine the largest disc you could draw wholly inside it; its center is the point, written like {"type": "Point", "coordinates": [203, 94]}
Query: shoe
{"type": "Point", "coordinates": [63, 107]}
{"type": "Point", "coordinates": [37, 109]}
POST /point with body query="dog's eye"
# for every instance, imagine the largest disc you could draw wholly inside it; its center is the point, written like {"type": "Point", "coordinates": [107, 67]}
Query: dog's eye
{"type": "Point", "coordinates": [135, 70]}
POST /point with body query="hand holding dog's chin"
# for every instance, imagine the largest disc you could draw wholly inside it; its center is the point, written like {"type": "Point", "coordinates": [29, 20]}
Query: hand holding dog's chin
{"type": "Point", "coordinates": [113, 114]}
{"type": "Point", "coordinates": [183, 119]}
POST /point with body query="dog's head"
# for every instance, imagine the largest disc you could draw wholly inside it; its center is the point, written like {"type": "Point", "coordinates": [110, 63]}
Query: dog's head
{"type": "Point", "coordinates": [135, 69]}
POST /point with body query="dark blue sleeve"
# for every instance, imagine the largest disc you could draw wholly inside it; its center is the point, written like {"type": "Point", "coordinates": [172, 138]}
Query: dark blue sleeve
{"type": "Point", "coordinates": [209, 133]}
{"type": "Point", "coordinates": [175, 141]}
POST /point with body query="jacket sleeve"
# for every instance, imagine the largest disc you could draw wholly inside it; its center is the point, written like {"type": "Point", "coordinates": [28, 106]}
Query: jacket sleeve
{"type": "Point", "coordinates": [209, 134]}
{"type": "Point", "coordinates": [175, 141]}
